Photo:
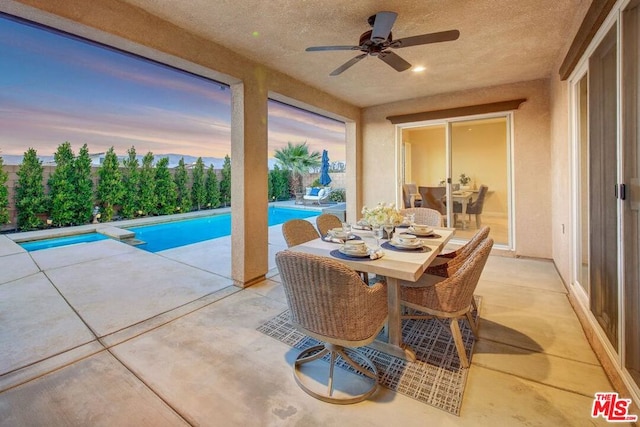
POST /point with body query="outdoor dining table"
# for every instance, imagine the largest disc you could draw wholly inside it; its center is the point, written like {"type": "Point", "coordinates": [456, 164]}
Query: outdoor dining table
{"type": "Point", "coordinates": [395, 265]}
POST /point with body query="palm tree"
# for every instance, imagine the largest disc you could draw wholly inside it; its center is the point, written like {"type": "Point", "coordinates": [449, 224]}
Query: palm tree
{"type": "Point", "coordinates": [297, 159]}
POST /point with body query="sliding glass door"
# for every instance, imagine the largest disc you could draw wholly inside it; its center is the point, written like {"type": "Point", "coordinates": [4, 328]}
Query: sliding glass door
{"type": "Point", "coordinates": [606, 103]}
{"type": "Point", "coordinates": [603, 166]}
{"type": "Point", "coordinates": [480, 177]}
{"type": "Point", "coordinates": [462, 168]}
{"type": "Point", "coordinates": [631, 190]}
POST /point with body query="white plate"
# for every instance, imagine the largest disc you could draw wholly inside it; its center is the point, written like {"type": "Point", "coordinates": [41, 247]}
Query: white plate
{"type": "Point", "coordinates": [401, 245]}
{"type": "Point", "coordinates": [418, 233]}
{"type": "Point", "coordinates": [354, 254]}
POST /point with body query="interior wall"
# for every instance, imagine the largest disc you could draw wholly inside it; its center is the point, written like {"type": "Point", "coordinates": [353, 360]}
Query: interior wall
{"type": "Point", "coordinates": [428, 155]}
{"type": "Point", "coordinates": [531, 155]}
{"type": "Point", "coordinates": [480, 152]}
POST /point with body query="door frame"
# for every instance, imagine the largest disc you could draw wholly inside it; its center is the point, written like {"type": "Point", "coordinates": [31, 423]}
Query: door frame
{"type": "Point", "coordinates": [616, 355]}
{"type": "Point", "coordinates": [447, 123]}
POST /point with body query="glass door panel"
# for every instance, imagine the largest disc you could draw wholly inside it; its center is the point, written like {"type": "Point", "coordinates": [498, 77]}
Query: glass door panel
{"type": "Point", "coordinates": [582, 252]}
{"type": "Point", "coordinates": [603, 217]}
{"type": "Point", "coordinates": [480, 177]}
{"type": "Point", "coordinates": [425, 162]}
{"type": "Point", "coordinates": [631, 174]}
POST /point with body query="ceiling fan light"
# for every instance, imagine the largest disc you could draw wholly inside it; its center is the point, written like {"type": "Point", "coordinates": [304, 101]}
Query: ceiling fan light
{"type": "Point", "coordinates": [419, 69]}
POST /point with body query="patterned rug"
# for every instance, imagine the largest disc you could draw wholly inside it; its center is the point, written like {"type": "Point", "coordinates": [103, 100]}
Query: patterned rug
{"type": "Point", "coordinates": [435, 378]}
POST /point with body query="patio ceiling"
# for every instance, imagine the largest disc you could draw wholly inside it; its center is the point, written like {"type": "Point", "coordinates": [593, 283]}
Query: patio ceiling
{"type": "Point", "coordinates": [500, 42]}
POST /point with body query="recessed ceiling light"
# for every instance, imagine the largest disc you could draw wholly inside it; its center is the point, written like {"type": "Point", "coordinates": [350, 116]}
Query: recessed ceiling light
{"type": "Point", "coordinates": [418, 69]}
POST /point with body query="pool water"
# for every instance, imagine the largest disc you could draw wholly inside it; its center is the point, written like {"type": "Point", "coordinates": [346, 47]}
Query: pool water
{"type": "Point", "coordinates": [36, 245]}
{"type": "Point", "coordinates": [160, 237]}
{"type": "Point", "coordinates": [168, 235]}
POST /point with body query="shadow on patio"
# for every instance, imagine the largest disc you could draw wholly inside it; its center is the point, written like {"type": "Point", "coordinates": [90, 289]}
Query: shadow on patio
{"type": "Point", "coordinates": [103, 333]}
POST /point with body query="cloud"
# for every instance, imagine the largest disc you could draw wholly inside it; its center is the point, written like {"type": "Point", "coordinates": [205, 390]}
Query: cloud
{"type": "Point", "coordinates": [63, 89]}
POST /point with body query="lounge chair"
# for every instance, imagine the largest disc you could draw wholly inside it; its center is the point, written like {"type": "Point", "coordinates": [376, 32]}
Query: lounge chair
{"type": "Point", "coordinates": [316, 195]}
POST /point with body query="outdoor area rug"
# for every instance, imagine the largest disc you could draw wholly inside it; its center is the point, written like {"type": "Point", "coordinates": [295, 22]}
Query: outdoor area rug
{"type": "Point", "coordinates": [435, 378]}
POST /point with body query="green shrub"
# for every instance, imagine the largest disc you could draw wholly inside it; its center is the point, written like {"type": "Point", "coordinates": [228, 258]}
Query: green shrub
{"type": "Point", "coordinates": [183, 194]}
{"type": "Point", "coordinates": [4, 195]}
{"type": "Point", "coordinates": [148, 204]}
{"type": "Point", "coordinates": [166, 194]}
{"type": "Point", "coordinates": [110, 187]}
{"type": "Point", "coordinates": [29, 192]}
{"type": "Point", "coordinates": [338, 195]}
{"type": "Point", "coordinates": [279, 184]}
{"type": "Point", "coordinates": [131, 182]}
{"type": "Point", "coordinates": [225, 182]}
{"type": "Point", "coordinates": [212, 189]}
{"type": "Point", "coordinates": [198, 188]}
{"type": "Point", "coordinates": [62, 187]}
{"type": "Point", "coordinates": [84, 198]}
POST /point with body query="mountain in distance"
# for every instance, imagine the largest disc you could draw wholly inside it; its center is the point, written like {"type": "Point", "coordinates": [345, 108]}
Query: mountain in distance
{"type": "Point", "coordinates": [98, 158]}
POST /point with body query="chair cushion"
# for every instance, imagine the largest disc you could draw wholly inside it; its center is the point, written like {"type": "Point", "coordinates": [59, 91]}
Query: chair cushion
{"type": "Point", "coordinates": [308, 191]}
{"type": "Point", "coordinates": [314, 191]}
{"type": "Point", "coordinates": [322, 192]}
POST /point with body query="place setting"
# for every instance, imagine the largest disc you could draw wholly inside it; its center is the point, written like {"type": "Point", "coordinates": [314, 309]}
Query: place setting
{"type": "Point", "coordinates": [422, 231]}
{"type": "Point", "coordinates": [356, 250]}
{"type": "Point", "coordinates": [405, 242]}
{"type": "Point", "coordinates": [339, 235]}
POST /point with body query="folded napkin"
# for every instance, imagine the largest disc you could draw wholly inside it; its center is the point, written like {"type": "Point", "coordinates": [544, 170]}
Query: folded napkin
{"type": "Point", "coordinates": [333, 239]}
{"type": "Point", "coordinates": [360, 227]}
{"type": "Point", "coordinates": [375, 254]}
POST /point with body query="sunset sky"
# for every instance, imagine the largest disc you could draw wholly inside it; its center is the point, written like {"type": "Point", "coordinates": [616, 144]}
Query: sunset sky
{"type": "Point", "coordinates": [55, 89]}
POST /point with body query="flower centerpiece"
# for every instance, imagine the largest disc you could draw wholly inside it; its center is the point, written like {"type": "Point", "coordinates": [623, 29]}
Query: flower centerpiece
{"type": "Point", "coordinates": [382, 214]}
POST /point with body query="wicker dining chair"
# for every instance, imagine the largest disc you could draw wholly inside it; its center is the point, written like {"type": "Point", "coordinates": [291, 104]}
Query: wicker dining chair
{"type": "Point", "coordinates": [424, 216]}
{"type": "Point", "coordinates": [450, 299]}
{"type": "Point", "coordinates": [298, 231]}
{"type": "Point", "coordinates": [445, 265]}
{"type": "Point", "coordinates": [329, 302]}
{"type": "Point", "coordinates": [325, 222]}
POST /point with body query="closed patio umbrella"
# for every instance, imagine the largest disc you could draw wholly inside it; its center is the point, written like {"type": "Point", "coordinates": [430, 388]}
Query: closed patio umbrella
{"type": "Point", "coordinates": [325, 179]}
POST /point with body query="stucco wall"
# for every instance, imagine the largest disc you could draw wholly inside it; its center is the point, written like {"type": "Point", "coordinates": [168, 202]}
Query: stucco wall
{"type": "Point", "coordinates": [531, 154]}
{"type": "Point", "coordinates": [561, 217]}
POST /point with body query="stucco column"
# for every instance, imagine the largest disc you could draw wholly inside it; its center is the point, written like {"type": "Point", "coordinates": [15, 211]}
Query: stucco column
{"type": "Point", "coordinates": [249, 193]}
{"type": "Point", "coordinates": [353, 142]}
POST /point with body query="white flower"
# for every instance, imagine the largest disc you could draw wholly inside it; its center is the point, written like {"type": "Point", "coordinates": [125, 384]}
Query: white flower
{"type": "Point", "coordinates": [382, 214]}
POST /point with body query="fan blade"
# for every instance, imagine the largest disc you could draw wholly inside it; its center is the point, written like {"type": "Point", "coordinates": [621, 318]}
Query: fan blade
{"type": "Point", "coordinates": [442, 36]}
{"type": "Point", "coordinates": [382, 26]}
{"type": "Point", "coordinates": [347, 65]}
{"type": "Point", "coordinates": [394, 60]}
{"type": "Point", "coordinates": [321, 48]}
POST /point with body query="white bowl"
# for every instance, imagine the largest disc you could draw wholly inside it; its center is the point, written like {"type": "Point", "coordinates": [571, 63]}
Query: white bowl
{"type": "Point", "coordinates": [407, 238]}
{"type": "Point", "coordinates": [356, 246]}
{"type": "Point", "coordinates": [339, 233]}
{"type": "Point", "coordinates": [420, 228]}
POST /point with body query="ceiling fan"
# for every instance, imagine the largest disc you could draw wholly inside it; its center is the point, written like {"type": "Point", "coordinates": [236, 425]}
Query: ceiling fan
{"type": "Point", "coordinates": [378, 41]}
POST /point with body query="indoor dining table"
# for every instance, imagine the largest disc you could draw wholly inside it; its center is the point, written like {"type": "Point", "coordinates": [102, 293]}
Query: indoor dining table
{"type": "Point", "coordinates": [463, 198]}
{"type": "Point", "coordinates": [395, 265]}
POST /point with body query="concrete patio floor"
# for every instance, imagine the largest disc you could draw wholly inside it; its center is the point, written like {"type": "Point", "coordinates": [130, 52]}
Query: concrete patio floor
{"type": "Point", "coordinates": [105, 334]}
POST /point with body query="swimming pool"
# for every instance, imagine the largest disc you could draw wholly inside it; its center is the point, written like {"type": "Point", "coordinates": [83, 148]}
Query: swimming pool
{"type": "Point", "coordinates": [168, 235]}
{"type": "Point", "coordinates": [36, 245]}
{"type": "Point", "coordinates": [173, 234]}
